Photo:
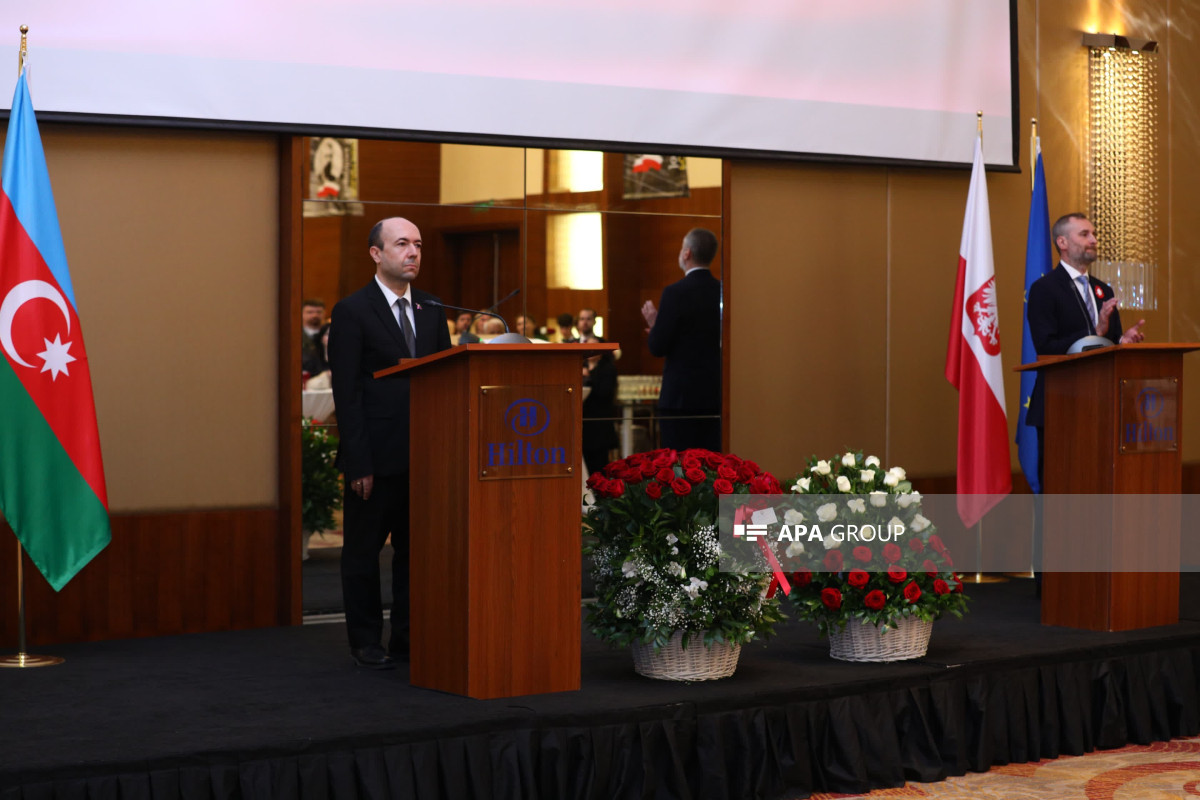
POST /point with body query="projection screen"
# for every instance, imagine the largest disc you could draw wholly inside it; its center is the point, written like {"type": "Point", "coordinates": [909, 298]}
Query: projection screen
{"type": "Point", "coordinates": [895, 80]}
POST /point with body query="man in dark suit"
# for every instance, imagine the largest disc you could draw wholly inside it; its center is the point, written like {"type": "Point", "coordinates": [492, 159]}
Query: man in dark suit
{"type": "Point", "coordinates": [686, 330]}
{"type": "Point", "coordinates": [372, 329]}
{"type": "Point", "coordinates": [312, 350]}
{"type": "Point", "coordinates": [1067, 304]}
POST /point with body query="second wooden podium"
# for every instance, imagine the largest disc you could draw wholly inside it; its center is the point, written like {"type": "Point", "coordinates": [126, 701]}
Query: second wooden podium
{"type": "Point", "coordinates": [496, 486]}
{"type": "Point", "coordinates": [1113, 429]}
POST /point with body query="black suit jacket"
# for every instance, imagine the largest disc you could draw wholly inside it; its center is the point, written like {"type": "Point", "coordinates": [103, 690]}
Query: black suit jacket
{"type": "Point", "coordinates": [1057, 320]}
{"type": "Point", "coordinates": [373, 414]}
{"type": "Point", "coordinates": [687, 332]}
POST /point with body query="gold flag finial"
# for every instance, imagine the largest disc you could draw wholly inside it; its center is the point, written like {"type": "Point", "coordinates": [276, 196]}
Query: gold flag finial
{"type": "Point", "coordinates": [1033, 141]}
{"type": "Point", "coordinates": [979, 125]}
{"type": "Point", "coordinates": [24, 47]}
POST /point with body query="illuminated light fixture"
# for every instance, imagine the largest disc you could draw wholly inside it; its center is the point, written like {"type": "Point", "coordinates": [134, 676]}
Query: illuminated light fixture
{"type": "Point", "coordinates": [577, 171]}
{"type": "Point", "coordinates": [1122, 169]}
{"type": "Point", "coordinates": [574, 251]}
{"type": "Point", "coordinates": [1104, 41]}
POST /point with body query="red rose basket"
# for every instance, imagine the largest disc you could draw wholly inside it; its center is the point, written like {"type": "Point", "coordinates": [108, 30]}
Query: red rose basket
{"type": "Point", "coordinates": [653, 545]}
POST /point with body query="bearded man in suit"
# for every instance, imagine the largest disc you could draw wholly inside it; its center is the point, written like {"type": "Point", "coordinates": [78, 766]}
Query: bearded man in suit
{"type": "Point", "coordinates": [372, 329]}
{"type": "Point", "coordinates": [1067, 304]}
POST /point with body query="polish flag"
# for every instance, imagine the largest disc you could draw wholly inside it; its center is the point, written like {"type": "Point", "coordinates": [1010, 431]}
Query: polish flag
{"type": "Point", "coordinates": [973, 362]}
{"type": "Point", "coordinates": [645, 163]}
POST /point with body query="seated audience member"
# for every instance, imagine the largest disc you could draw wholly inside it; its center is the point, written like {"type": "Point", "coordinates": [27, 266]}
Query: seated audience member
{"type": "Point", "coordinates": [462, 329]}
{"type": "Point", "coordinates": [322, 379]}
{"type": "Point", "coordinates": [587, 329]}
{"type": "Point", "coordinates": [312, 355]}
{"type": "Point", "coordinates": [490, 328]}
{"type": "Point", "coordinates": [566, 325]}
{"type": "Point", "coordinates": [528, 328]}
{"type": "Point", "coordinates": [599, 411]}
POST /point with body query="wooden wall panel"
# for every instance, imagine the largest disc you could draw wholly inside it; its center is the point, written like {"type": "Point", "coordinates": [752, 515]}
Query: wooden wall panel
{"type": "Point", "coordinates": [172, 242]}
{"type": "Point", "coordinates": [808, 345]}
{"type": "Point", "coordinates": [163, 574]}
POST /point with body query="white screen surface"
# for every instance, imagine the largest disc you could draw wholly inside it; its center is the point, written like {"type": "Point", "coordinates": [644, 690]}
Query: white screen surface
{"type": "Point", "coordinates": [889, 79]}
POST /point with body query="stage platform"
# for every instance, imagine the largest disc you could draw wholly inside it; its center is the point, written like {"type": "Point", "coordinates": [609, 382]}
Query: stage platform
{"type": "Point", "coordinates": [282, 713]}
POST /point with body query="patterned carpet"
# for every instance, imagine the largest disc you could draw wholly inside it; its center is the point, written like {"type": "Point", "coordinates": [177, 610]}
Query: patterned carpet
{"type": "Point", "coordinates": [1161, 770]}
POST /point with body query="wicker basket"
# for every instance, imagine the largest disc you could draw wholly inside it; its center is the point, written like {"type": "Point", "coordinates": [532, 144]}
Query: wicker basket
{"type": "Point", "coordinates": [696, 663]}
{"type": "Point", "coordinates": [862, 641]}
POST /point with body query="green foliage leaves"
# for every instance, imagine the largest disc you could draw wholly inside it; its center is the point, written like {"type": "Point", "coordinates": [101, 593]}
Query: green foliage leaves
{"type": "Point", "coordinates": [320, 484]}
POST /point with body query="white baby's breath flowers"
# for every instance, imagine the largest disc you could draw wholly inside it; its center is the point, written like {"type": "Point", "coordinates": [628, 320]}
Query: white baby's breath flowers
{"type": "Point", "coordinates": [843, 483]}
{"type": "Point", "coordinates": [827, 512]}
{"type": "Point", "coordinates": [857, 505]}
{"type": "Point", "coordinates": [822, 468]}
{"type": "Point", "coordinates": [848, 460]}
{"type": "Point", "coordinates": [676, 569]}
{"type": "Point", "coordinates": [879, 499]}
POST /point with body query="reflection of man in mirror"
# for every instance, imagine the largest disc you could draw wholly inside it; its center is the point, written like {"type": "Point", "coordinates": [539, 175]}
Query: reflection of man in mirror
{"type": "Point", "coordinates": [329, 169]}
{"type": "Point", "coordinates": [686, 330]}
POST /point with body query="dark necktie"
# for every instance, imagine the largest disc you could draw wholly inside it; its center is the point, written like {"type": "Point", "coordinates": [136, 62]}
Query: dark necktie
{"type": "Point", "coordinates": [410, 338]}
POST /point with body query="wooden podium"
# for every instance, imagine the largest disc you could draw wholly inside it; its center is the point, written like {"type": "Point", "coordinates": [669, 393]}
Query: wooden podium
{"type": "Point", "coordinates": [1113, 427]}
{"type": "Point", "coordinates": [496, 486]}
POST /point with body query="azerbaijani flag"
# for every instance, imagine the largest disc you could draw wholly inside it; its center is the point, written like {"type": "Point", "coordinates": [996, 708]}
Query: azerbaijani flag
{"type": "Point", "coordinates": [973, 362]}
{"type": "Point", "coordinates": [52, 489]}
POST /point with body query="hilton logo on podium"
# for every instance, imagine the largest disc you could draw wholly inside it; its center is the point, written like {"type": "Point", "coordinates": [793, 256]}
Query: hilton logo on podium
{"type": "Point", "coordinates": [1148, 415]}
{"type": "Point", "coordinates": [528, 431]}
{"type": "Point", "coordinates": [527, 418]}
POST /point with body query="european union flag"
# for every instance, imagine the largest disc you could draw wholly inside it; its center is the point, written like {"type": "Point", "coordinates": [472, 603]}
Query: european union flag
{"type": "Point", "coordinates": [1037, 264]}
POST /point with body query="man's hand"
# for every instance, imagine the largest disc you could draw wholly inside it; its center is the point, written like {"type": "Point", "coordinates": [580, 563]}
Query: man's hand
{"type": "Point", "coordinates": [1105, 313]}
{"type": "Point", "coordinates": [649, 313]}
{"type": "Point", "coordinates": [1132, 335]}
{"type": "Point", "coordinates": [363, 486]}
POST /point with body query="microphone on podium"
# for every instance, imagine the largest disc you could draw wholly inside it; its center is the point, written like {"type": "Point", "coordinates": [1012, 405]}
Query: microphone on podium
{"type": "Point", "coordinates": [504, 338]}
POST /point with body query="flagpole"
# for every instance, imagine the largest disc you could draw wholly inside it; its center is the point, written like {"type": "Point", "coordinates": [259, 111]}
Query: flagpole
{"type": "Point", "coordinates": [1033, 148]}
{"type": "Point", "coordinates": [980, 576]}
{"type": "Point", "coordinates": [23, 659]}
